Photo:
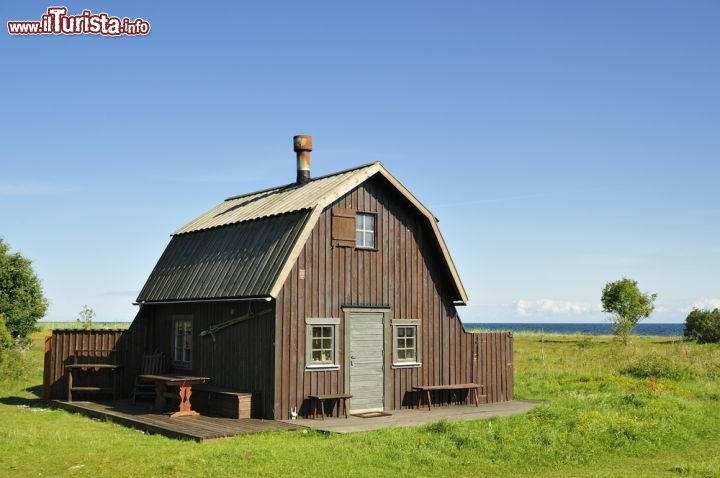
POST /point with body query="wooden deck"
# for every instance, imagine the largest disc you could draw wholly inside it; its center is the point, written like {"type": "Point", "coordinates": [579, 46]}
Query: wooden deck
{"type": "Point", "coordinates": [198, 428]}
{"type": "Point", "coordinates": [415, 417]}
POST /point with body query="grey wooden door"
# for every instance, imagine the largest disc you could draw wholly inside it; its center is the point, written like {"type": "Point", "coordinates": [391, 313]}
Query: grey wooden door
{"type": "Point", "coordinates": [367, 378]}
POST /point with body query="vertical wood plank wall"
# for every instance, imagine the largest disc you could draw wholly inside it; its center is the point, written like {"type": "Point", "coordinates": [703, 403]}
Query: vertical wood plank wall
{"type": "Point", "coordinates": [405, 274]}
{"type": "Point", "coordinates": [128, 347]}
{"type": "Point", "coordinates": [63, 345]}
{"type": "Point", "coordinates": [241, 355]}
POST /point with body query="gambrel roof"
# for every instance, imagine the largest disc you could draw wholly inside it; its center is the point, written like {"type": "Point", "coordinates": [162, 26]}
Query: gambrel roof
{"type": "Point", "coordinates": [246, 246]}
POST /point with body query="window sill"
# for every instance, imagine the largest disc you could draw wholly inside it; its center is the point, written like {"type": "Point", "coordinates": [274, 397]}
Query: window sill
{"type": "Point", "coordinates": [361, 248]}
{"type": "Point", "coordinates": [407, 365]}
{"type": "Point", "coordinates": [321, 368]}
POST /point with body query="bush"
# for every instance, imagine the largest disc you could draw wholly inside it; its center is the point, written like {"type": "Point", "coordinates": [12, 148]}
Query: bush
{"type": "Point", "coordinates": [703, 325]}
{"type": "Point", "coordinates": [654, 365]}
{"type": "Point", "coordinates": [13, 362]}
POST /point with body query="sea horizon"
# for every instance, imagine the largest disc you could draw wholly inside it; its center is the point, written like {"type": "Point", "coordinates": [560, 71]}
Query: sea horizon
{"type": "Point", "coordinates": [664, 329]}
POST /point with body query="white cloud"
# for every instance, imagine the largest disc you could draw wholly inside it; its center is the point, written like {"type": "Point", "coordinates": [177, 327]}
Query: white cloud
{"type": "Point", "coordinates": [525, 307]}
{"type": "Point", "coordinates": [707, 304]}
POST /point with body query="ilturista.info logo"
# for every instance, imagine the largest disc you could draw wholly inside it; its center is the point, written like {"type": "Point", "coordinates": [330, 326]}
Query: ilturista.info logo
{"type": "Point", "coordinates": [57, 22]}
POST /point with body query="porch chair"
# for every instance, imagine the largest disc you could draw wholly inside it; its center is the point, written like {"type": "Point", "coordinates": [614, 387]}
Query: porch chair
{"type": "Point", "coordinates": [151, 364]}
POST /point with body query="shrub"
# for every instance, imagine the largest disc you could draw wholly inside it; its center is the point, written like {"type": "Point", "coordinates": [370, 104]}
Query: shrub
{"type": "Point", "coordinates": [654, 365]}
{"type": "Point", "coordinates": [14, 365]}
{"type": "Point", "coordinates": [6, 340]}
{"type": "Point", "coordinates": [703, 325]}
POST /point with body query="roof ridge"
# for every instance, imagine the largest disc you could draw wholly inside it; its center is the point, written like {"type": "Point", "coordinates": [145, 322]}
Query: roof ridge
{"type": "Point", "coordinates": [293, 185]}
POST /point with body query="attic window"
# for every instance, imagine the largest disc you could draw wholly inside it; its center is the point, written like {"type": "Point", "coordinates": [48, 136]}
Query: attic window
{"type": "Point", "coordinates": [365, 230]}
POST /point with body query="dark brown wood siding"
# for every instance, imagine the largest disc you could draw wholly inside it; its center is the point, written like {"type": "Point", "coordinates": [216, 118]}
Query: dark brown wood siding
{"type": "Point", "coordinates": [241, 355]}
{"type": "Point", "coordinates": [406, 274]}
{"type": "Point", "coordinates": [91, 346]}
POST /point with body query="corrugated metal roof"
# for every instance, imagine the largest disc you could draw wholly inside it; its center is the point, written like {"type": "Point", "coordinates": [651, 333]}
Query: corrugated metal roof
{"type": "Point", "coordinates": [196, 264]}
{"type": "Point", "coordinates": [240, 260]}
{"type": "Point", "coordinates": [272, 202]}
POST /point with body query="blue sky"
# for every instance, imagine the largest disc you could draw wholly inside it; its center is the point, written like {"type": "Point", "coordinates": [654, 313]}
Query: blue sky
{"type": "Point", "coordinates": [561, 144]}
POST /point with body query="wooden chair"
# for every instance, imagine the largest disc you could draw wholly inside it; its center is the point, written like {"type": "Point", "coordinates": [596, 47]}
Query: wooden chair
{"type": "Point", "coordinates": [151, 364]}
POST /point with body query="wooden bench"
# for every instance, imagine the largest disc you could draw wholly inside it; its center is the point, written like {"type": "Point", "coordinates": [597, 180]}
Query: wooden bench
{"type": "Point", "coordinates": [89, 361]}
{"type": "Point", "coordinates": [224, 401]}
{"type": "Point", "coordinates": [427, 389]}
{"type": "Point", "coordinates": [314, 399]}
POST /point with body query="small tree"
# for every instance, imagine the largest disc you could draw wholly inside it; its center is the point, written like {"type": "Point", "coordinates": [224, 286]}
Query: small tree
{"type": "Point", "coordinates": [85, 317]}
{"type": "Point", "coordinates": [627, 305]}
{"type": "Point", "coordinates": [22, 301]}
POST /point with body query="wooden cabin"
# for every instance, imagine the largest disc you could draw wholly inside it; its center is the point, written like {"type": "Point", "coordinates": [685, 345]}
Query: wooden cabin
{"type": "Point", "coordinates": [336, 284]}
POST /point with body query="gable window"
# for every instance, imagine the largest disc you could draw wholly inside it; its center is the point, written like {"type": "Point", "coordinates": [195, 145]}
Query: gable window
{"type": "Point", "coordinates": [321, 343]}
{"type": "Point", "coordinates": [182, 341]}
{"type": "Point", "coordinates": [406, 343]}
{"type": "Point", "coordinates": [365, 230]}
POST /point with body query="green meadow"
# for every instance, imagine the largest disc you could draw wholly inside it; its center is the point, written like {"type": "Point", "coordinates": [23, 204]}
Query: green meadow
{"type": "Point", "coordinates": [651, 408]}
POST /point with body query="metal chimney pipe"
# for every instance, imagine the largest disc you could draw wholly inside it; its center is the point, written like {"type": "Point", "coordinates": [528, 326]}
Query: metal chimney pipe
{"type": "Point", "coordinates": [302, 144]}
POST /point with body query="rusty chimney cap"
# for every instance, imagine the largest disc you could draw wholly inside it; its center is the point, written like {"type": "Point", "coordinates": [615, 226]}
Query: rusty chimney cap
{"type": "Point", "coordinates": [302, 142]}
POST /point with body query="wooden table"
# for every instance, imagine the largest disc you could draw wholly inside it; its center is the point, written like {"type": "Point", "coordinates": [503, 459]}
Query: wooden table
{"type": "Point", "coordinates": [314, 399]}
{"type": "Point", "coordinates": [91, 367]}
{"type": "Point", "coordinates": [458, 386]}
{"type": "Point", "coordinates": [183, 382]}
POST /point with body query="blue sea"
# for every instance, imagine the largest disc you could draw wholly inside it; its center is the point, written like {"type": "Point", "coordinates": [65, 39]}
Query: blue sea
{"type": "Point", "coordinates": [663, 330]}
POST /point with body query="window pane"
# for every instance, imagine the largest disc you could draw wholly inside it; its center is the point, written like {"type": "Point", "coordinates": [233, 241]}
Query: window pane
{"type": "Point", "coordinates": [359, 238]}
{"type": "Point", "coordinates": [369, 222]}
{"type": "Point", "coordinates": [369, 240]}
{"type": "Point", "coordinates": [327, 331]}
{"type": "Point", "coordinates": [316, 344]}
{"type": "Point", "coordinates": [401, 331]}
{"type": "Point", "coordinates": [410, 353]}
{"type": "Point", "coordinates": [401, 354]}
{"type": "Point", "coordinates": [359, 222]}
{"type": "Point", "coordinates": [316, 355]}
{"type": "Point", "coordinates": [410, 331]}
{"type": "Point", "coordinates": [316, 331]}
{"type": "Point", "coordinates": [327, 344]}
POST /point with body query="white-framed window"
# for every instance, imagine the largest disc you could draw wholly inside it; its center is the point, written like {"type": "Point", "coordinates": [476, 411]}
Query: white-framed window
{"type": "Point", "coordinates": [182, 341]}
{"type": "Point", "coordinates": [365, 230]}
{"type": "Point", "coordinates": [321, 348]}
{"type": "Point", "coordinates": [406, 343]}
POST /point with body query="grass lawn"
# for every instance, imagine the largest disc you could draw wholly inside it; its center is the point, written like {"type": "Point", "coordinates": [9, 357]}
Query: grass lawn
{"type": "Point", "coordinates": [604, 417]}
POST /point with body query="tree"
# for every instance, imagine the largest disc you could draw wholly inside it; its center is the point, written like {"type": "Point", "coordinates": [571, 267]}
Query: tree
{"type": "Point", "coordinates": [85, 317]}
{"type": "Point", "coordinates": [22, 301]}
{"type": "Point", "coordinates": [703, 325]}
{"type": "Point", "coordinates": [627, 305]}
